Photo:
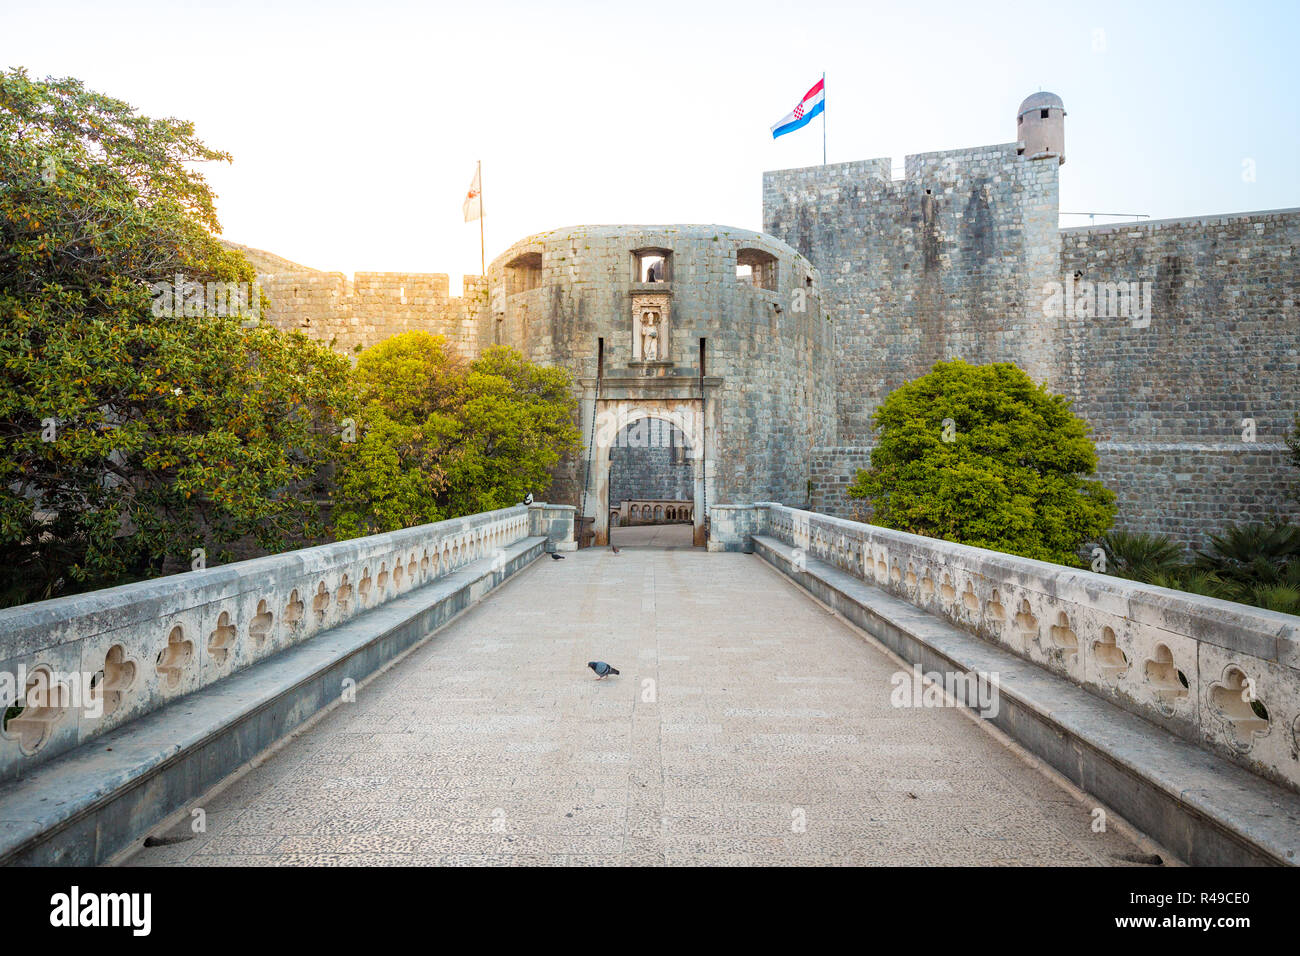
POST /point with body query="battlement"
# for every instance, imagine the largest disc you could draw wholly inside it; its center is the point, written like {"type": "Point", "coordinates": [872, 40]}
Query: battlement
{"type": "Point", "coordinates": [362, 311]}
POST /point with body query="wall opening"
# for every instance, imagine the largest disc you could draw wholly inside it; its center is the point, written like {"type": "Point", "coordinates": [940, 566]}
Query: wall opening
{"type": "Point", "coordinates": [524, 273]}
{"type": "Point", "coordinates": [651, 484]}
{"type": "Point", "coordinates": [756, 267]}
{"type": "Point", "coordinates": [652, 265]}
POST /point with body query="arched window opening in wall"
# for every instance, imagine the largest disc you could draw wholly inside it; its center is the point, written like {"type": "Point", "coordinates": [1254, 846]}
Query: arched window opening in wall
{"type": "Point", "coordinates": [524, 272]}
{"type": "Point", "coordinates": [652, 265]}
{"type": "Point", "coordinates": [757, 268]}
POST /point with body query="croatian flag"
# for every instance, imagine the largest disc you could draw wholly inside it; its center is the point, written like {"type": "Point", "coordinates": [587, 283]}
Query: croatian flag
{"type": "Point", "coordinates": [813, 102]}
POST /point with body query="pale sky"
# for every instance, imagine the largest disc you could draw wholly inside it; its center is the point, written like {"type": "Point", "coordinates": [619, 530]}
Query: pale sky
{"type": "Point", "coordinates": [355, 126]}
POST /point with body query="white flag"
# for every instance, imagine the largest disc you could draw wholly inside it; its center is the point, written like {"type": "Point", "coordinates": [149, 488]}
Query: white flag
{"type": "Point", "coordinates": [474, 199]}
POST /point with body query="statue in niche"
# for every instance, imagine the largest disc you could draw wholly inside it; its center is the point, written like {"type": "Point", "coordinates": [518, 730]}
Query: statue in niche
{"type": "Point", "coordinates": [650, 336]}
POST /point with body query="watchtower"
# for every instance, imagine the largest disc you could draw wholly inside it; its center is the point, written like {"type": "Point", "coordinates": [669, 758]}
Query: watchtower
{"type": "Point", "coordinates": [1040, 126]}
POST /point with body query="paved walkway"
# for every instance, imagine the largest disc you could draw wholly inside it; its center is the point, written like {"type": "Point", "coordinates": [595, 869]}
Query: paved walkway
{"type": "Point", "coordinates": [654, 536]}
{"type": "Point", "coordinates": [748, 725]}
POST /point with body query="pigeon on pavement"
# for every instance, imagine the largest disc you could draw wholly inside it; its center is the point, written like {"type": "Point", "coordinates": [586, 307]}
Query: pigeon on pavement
{"type": "Point", "coordinates": [602, 669]}
{"type": "Point", "coordinates": [556, 556]}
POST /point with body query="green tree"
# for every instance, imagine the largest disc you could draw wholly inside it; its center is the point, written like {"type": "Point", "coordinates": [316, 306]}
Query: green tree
{"type": "Point", "coordinates": [395, 476]}
{"type": "Point", "coordinates": [516, 424]}
{"type": "Point", "coordinates": [442, 438]}
{"type": "Point", "coordinates": [981, 455]}
{"type": "Point", "coordinates": [129, 434]}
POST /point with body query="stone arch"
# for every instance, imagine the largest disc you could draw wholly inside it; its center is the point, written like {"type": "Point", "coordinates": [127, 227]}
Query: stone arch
{"type": "Point", "coordinates": [613, 416]}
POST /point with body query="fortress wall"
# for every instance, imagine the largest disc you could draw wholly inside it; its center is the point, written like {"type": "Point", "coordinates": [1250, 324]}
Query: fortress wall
{"type": "Point", "coordinates": [1166, 401]}
{"type": "Point", "coordinates": [944, 263]}
{"type": "Point", "coordinates": [955, 260]}
{"type": "Point", "coordinates": [1187, 490]}
{"type": "Point", "coordinates": [1190, 490]}
{"type": "Point", "coordinates": [833, 470]}
{"type": "Point", "coordinates": [317, 304]}
{"type": "Point", "coordinates": [1223, 341]}
{"type": "Point", "coordinates": [359, 313]}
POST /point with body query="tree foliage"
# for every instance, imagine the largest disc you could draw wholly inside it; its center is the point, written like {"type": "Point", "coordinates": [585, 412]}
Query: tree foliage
{"type": "Point", "coordinates": [981, 455]}
{"type": "Point", "coordinates": [128, 436]}
{"type": "Point", "coordinates": [441, 437]}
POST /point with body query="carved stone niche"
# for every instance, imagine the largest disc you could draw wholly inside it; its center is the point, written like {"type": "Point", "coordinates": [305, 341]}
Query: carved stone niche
{"type": "Point", "coordinates": [652, 327]}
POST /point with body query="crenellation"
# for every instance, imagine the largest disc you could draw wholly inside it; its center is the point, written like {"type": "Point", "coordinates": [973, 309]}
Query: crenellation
{"type": "Point", "coordinates": [354, 314]}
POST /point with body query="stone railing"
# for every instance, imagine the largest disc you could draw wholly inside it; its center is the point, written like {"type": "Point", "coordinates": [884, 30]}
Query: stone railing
{"type": "Point", "coordinates": [1222, 675]}
{"type": "Point", "coordinates": [90, 662]}
{"type": "Point", "coordinates": [638, 511]}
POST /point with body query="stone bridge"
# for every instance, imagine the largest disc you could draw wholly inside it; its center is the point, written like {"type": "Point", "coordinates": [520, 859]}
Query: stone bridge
{"type": "Point", "coordinates": [806, 690]}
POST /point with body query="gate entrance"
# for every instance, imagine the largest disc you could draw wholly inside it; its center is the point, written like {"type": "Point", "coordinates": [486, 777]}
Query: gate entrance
{"type": "Point", "coordinates": [650, 466]}
{"type": "Point", "coordinates": [651, 486]}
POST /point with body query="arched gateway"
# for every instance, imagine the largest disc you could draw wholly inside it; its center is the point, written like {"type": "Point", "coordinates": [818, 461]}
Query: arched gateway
{"type": "Point", "coordinates": [625, 421]}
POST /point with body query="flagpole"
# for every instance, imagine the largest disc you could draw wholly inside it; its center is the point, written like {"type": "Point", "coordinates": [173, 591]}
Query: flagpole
{"type": "Point", "coordinates": [823, 117]}
{"type": "Point", "coordinates": [482, 249]}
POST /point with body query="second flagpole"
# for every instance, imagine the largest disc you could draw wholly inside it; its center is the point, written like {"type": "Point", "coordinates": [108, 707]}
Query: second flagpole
{"type": "Point", "coordinates": [482, 249]}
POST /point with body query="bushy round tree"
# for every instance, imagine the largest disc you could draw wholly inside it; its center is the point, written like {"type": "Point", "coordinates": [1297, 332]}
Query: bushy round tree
{"type": "Point", "coordinates": [441, 437]}
{"type": "Point", "coordinates": [981, 455]}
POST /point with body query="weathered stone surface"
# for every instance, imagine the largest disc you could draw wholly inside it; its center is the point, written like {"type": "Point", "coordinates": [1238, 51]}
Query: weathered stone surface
{"type": "Point", "coordinates": [746, 727]}
{"type": "Point", "coordinates": [85, 806]}
{"type": "Point", "coordinates": [1179, 660]}
{"type": "Point", "coordinates": [1207, 811]}
{"type": "Point", "coordinates": [170, 636]}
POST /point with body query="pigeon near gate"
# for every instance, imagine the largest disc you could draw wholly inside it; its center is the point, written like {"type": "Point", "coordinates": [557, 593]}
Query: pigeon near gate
{"type": "Point", "coordinates": [528, 498]}
{"type": "Point", "coordinates": [602, 669]}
